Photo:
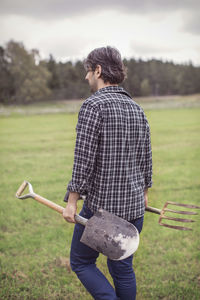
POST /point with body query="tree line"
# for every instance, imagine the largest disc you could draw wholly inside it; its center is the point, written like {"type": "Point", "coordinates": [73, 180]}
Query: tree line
{"type": "Point", "coordinates": [25, 77]}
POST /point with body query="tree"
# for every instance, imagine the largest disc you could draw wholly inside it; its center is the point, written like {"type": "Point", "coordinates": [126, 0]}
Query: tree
{"type": "Point", "coordinates": [24, 77]}
{"type": "Point", "coordinates": [187, 80]}
{"type": "Point", "coordinates": [29, 78]}
{"type": "Point", "coordinates": [145, 87]}
{"type": "Point", "coordinates": [54, 79]}
{"type": "Point", "coordinates": [6, 82]}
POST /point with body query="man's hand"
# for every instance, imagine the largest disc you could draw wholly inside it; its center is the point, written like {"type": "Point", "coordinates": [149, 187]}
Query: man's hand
{"type": "Point", "coordinates": [71, 208]}
{"type": "Point", "coordinates": [146, 197]}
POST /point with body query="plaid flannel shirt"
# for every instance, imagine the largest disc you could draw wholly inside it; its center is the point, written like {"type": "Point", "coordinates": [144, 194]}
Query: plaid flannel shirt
{"type": "Point", "coordinates": [113, 158]}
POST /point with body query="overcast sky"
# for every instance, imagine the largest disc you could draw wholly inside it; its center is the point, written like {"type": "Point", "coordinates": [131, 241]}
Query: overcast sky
{"type": "Point", "coordinates": [69, 29]}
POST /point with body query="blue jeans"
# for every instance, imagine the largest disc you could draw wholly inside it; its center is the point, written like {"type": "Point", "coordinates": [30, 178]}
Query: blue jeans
{"type": "Point", "coordinates": [83, 263]}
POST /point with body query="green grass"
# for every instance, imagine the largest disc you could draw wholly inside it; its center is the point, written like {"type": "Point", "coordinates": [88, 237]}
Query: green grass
{"type": "Point", "coordinates": [35, 241]}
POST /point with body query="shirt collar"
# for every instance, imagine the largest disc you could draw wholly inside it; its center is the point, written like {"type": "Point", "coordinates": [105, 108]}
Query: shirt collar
{"type": "Point", "coordinates": [113, 89]}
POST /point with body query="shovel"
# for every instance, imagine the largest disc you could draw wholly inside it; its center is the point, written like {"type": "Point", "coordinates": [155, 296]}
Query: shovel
{"type": "Point", "coordinates": [104, 232]}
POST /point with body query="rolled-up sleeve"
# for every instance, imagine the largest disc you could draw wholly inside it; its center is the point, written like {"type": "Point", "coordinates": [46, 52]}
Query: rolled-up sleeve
{"type": "Point", "coordinates": [88, 130]}
{"type": "Point", "coordinates": [148, 159]}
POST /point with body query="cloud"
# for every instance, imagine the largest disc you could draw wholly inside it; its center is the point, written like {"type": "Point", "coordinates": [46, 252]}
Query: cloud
{"type": "Point", "coordinates": [53, 9]}
{"type": "Point", "coordinates": [72, 28]}
{"type": "Point", "coordinates": [177, 52]}
{"type": "Point", "coordinates": [140, 48]}
{"type": "Point", "coordinates": [192, 23]}
{"type": "Point", "coordinates": [69, 49]}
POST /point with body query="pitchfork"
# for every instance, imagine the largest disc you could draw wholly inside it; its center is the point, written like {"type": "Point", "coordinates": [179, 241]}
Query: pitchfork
{"type": "Point", "coordinates": [165, 209]}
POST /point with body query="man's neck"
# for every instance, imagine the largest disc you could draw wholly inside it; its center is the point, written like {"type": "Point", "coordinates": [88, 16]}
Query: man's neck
{"type": "Point", "coordinates": [102, 84]}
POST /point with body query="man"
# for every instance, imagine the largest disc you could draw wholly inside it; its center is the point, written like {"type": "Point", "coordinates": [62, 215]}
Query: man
{"type": "Point", "coordinates": [112, 168]}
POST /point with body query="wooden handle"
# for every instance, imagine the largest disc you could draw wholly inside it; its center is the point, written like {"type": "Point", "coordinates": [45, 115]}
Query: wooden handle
{"type": "Point", "coordinates": [58, 208]}
{"type": "Point", "coordinates": [21, 188]}
{"type": "Point", "coordinates": [48, 203]}
{"type": "Point", "coordinates": [153, 210]}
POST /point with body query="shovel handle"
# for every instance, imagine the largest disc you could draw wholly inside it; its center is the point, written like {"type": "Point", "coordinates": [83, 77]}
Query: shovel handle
{"type": "Point", "coordinates": [58, 208]}
{"type": "Point", "coordinates": [45, 201]}
{"type": "Point", "coordinates": [21, 188]}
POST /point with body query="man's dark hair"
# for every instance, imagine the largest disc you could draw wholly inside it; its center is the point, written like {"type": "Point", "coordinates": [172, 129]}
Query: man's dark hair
{"type": "Point", "coordinates": [112, 67]}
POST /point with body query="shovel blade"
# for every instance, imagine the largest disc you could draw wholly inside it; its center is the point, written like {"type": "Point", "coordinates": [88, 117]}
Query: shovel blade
{"type": "Point", "coordinates": [111, 235]}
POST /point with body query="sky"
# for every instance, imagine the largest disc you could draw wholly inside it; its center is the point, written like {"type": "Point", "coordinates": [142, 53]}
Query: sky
{"type": "Point", "coordinates": [70, 29]}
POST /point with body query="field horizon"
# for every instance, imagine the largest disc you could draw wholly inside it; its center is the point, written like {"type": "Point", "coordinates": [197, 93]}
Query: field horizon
{"type": "Point", "coordinates": [73, 105]}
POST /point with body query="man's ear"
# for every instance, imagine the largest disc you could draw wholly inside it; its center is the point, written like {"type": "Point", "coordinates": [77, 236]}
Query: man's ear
{"type": "Point", "coordinates": [98, 71]}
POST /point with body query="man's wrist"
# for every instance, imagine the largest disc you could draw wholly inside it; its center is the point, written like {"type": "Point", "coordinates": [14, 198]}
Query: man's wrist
{"type": "Point", "coordinates": [73, 197]}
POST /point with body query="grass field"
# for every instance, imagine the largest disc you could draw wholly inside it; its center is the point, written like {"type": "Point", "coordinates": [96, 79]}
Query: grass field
{"type": "Point", "coordinates": [35, 241]}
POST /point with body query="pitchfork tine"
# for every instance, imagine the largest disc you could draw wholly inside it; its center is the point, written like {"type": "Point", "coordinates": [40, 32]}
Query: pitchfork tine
{"type": "Point", "coordinates": [175, 227]}
{"type": "Point", "coordinates": [181, 211]}
{"type": "Point", "coordinates": [184, 205]}
{"type": "Point", "coordinates": [178, 219]}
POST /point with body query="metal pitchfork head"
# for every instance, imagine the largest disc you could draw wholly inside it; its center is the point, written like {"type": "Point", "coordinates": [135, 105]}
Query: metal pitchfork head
{"type": "Point", "coordinates": [165, 209]}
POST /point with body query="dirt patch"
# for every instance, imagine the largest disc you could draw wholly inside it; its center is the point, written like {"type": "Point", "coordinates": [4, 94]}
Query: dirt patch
{"type": "Point", "coordinates": [63, 262]}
